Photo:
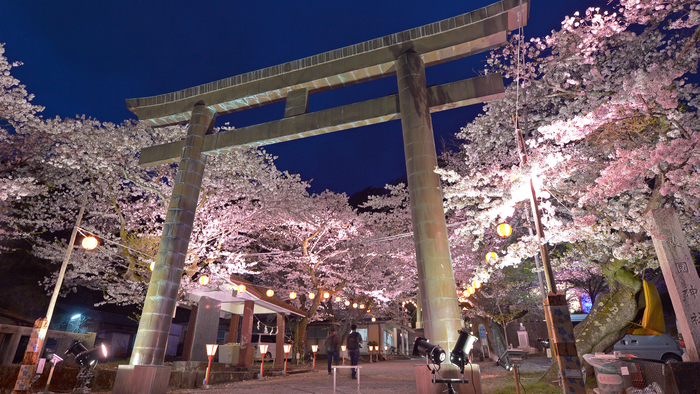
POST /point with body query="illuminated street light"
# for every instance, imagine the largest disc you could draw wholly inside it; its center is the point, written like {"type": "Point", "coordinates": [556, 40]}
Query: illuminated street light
{"type": "Point", "coordinates": [90, 243]}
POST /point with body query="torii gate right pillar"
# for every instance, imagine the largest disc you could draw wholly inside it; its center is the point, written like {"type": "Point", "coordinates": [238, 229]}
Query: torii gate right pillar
{"type": "Point", "coordinates": [435, 274]}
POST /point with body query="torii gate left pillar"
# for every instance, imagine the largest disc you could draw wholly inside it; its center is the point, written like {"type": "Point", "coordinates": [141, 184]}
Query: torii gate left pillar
{"type": "Point", "coordinates": [146, 373]}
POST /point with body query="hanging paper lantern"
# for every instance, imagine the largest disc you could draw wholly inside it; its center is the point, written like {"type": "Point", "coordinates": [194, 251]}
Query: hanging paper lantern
{"type": "Point", "coordinates": [347, 303]}
{"type": "Point", "coordinates": [292, 295]}
{"type": "Point", "coordinates": [362, 306]}
{"type": "Point", "coordinates": [491, 256]}
{"type": "Point", "coordinates": [470, 290]}
{"type": "Point", "coordinates": [373, 319]}
{"type": "Point", "coordinates": [326, 295]}
{"type": "Point", "coordinates": [312, 296]}
{"type": "Point", "coordinates": [204, 280]}
{"type": "Point", "coordinates": [504, 230]}
{"type": "Point", "coordinates": [337, 298]}
{"type": "Point", "coordinates": [241, 288]}
{"type": "Point", "coordinates": [270, 292]}
{"type": "Point", "coordinates": [152, 266]}
{"type": "Point", "coordinates": [354, 305]}
{"type": "Point", "coordinates": [90, 243]}
{"type": "Point", "coordinates": [476, 284]}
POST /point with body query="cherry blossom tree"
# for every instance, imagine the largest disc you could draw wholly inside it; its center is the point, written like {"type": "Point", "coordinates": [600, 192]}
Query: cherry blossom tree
{"type": "Point", "coordinates": [609, 119]}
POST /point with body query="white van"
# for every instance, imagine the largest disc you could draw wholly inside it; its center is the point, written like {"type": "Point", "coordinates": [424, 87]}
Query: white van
{"type": "Point", "coordinates": [271, 342]}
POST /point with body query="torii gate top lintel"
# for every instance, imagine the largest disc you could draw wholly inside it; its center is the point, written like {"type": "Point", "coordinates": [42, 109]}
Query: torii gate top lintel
{"type": "Point", "coordinates": [438, 42]}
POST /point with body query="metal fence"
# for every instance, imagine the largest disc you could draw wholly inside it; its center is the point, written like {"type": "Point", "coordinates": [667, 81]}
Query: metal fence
{"type": "Point", "coordinates": [643, 376]}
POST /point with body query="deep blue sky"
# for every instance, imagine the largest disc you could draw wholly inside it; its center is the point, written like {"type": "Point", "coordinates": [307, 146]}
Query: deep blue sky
{"type": "Point", "coordinates": [86, 57]}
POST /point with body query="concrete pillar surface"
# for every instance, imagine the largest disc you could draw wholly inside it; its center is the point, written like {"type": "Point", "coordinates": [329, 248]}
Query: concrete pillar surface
{"type": "Point", "coordinates": [435, 275]}
{"type": "Point", "coordinates": [145, 372]}
{"type": "Point", "coordinates": [154, 326]}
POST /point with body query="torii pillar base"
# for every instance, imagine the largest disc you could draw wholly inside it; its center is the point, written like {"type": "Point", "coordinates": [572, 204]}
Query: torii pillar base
{"type": "Point", "coordinates": [142, 379]}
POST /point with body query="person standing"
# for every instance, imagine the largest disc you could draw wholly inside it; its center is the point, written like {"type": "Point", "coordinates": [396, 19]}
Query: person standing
{"type": "Point", "coordinates": [332, 343]}
{"type": "Point", "coordinates": [354, 345]}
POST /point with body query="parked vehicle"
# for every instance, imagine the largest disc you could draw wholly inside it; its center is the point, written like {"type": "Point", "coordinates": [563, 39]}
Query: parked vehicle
{"type": "Point", "coordinates": [657, 347]}
{"type": "Point", "coordinates": [270, 341]}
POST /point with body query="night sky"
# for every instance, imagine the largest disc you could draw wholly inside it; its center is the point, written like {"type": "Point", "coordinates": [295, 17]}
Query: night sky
{"type": "Point", "coordinates": [87, 57]}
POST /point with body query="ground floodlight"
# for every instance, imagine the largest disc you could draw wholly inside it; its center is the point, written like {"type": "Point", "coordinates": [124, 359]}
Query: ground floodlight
{"type": "Point", "coordinates": [85, 357]}
{"type": "Point", "coordinates": [460, 353]}
{"type": "Point", "coordinates": [503, 362]}
{"type": "Point", "coordinates": [433, 353]}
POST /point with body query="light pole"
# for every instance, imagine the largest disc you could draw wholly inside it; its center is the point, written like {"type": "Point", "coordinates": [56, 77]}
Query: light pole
{"type": "Point", "coordinates": [41, 326]}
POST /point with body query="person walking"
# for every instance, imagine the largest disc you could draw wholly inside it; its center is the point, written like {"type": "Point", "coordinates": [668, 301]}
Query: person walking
{"type": "Point", "coordinates": [332, 343]}
{"type": "Point", "coordinates": [354, 345]}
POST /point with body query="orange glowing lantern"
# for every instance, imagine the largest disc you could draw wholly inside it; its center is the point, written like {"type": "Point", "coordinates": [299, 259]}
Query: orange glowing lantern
{"type": "Point", "coordinates": [204, 280]}
{"type": "Point", "coordinates": [504, 230]}
{"type": "Point", "coordinates": [491, 256]}
{"type": "Point", "coordinates": [312, 296]}
{"type": "Point", "coordinates": [241, 288]}
{"type": "Point", "coordinates": [292, 295]}
{"type": "Point", "coordinates": [270, 292]}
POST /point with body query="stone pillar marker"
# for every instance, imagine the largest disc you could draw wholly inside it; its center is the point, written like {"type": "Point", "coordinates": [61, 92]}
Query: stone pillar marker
{"type": "Point", "coordinates": [680, 275]}
{"type": "Point", "coordinates": [146, 372]}
{"type": "Point", "coordinates": [205, 328]}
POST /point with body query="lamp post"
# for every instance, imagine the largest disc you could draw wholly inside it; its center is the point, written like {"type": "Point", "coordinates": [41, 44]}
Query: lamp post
{"type": "Point", "coordinates": [371, 348]}
{"type": "Point", "coordinates": [287, 349]}
{"type": "Point", "coordinates": [211, 351]}
{"type": "Point", "coordinates": [314, 348]}
{"type": "Point", "coordinates": [342, 352]}
{"type": "Point", "coordinates": [263, 351]}
{"type": "Point", "coordinates": [41, 326]}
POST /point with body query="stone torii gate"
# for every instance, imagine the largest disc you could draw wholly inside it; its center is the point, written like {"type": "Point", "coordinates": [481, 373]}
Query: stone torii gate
{"type": "Point", "coordinates": [404, 54]}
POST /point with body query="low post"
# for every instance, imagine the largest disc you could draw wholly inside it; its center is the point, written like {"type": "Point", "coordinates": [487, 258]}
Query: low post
{"type": "Point", "coordinates": [314, 348]}
{"type": "Point", "coordinates": [370, 348]}
{"type": "Point", "coordinates": [263, 351]}
{"type": "Point", "coordinates": [342, 352]}
{"type": "Point", "coordinates": [211, 351]}
{"type": "Point", "coordinates": [287, 349]}
{"type": "Point", "coordinates": [55, 359]}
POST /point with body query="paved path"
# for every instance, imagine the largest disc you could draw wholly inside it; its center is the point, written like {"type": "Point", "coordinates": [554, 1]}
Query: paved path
{"type": "Point", "coordinates": [382, 377]}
